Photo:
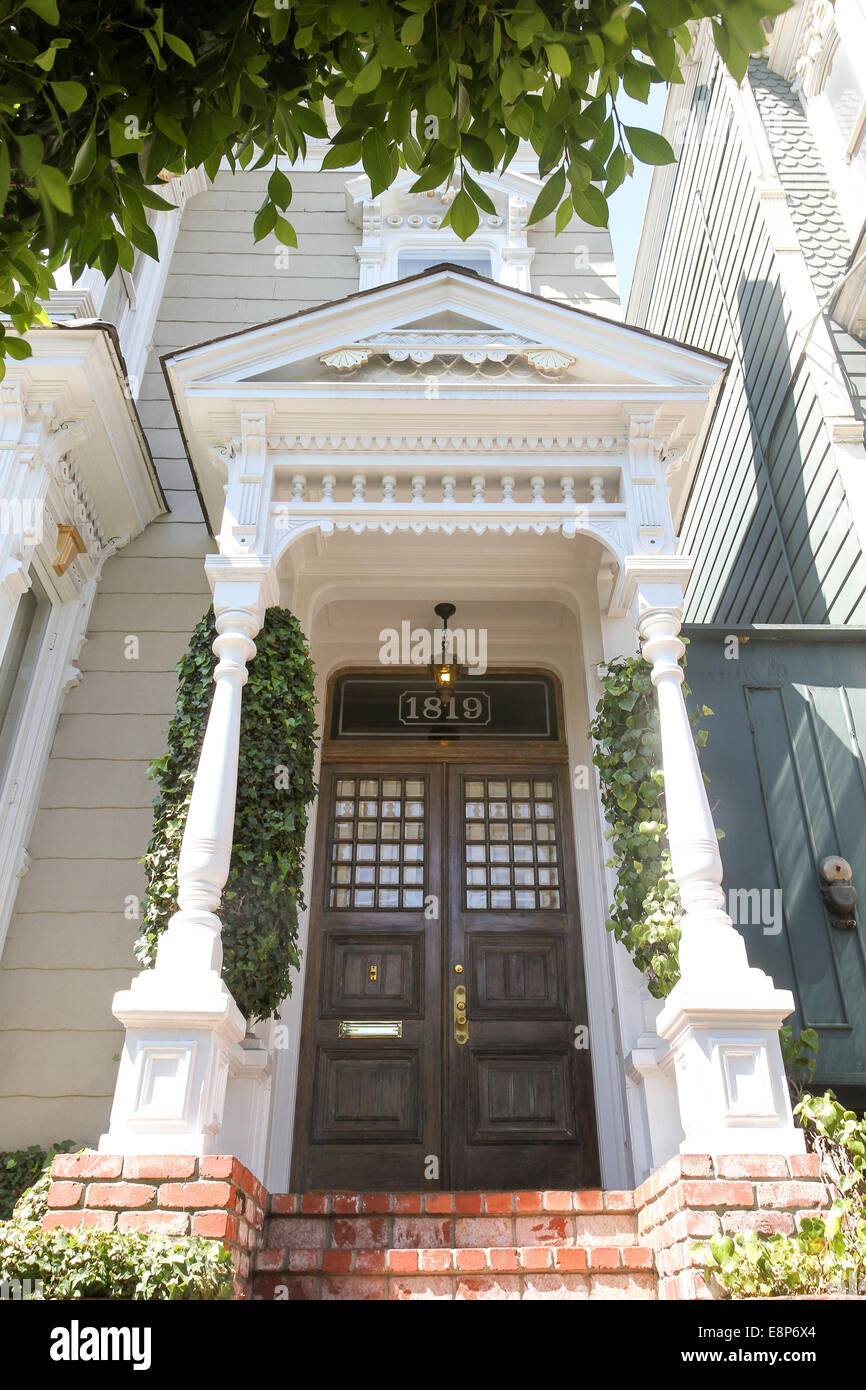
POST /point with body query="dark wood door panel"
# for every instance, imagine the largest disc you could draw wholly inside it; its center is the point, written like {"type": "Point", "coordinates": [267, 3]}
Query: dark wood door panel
{"type": "Point", "coordinates": [519, 1093]}
{"type": "Point", "coordinates": [513, 976]}
{"type": "Point", "coordinates": [368, 1111]}
{"type": "Point", "coordinates": [371, 972]}
{"type": "Point", "coordinates": [521, 1097]}
{"type": "Point", "coordinates": [368, 1094]}
{"type": "Point", "coordinates": [420, 869]}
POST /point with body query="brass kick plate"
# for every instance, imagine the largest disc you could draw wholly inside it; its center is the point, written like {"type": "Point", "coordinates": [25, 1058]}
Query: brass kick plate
{"type": "Point", "coordinates": [370, 1028]}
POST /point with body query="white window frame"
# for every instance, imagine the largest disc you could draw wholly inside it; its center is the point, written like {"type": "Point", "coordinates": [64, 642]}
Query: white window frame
{"type": "Point", "coordinates": [54, 673]}
{"type": "Point", "coordinates": [398, 220]}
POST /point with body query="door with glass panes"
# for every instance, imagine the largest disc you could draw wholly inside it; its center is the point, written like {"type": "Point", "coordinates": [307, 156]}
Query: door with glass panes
{"type": "Point", "coordinates": [445, 990]}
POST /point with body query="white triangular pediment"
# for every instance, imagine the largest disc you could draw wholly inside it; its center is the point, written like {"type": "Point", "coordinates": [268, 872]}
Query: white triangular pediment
{"type": "Point", "coordinates": [443, 314]}
{"type": "Point", "coordinates": [443, 363]}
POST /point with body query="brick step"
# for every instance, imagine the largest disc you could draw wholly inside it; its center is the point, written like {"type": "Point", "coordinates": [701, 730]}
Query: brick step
{"type": "Point", "coordinates": [529, 1272]}
{"type": "Point", "coordinates": [449, 1220]}
{"type": "Point", "coordinates": [452, 1245]}
{"type": "Point", "coordinates": [448, 1203]}
{"type": "Point", "coordinates": [438, 1260]}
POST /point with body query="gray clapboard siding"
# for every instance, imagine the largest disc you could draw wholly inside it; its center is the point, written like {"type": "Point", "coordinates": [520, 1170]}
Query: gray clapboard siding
{"type": "Point", "coordinates": [766, 522]}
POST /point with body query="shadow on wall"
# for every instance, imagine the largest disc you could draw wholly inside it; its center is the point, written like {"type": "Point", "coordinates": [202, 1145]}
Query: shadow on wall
{"type": "Point", "coordinates": [789, 546]}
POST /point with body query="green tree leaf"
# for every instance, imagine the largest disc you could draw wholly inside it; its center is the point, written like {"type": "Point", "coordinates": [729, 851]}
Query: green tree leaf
{"type": "Point", "coordinates": [5, 174]}
{"type": "Point", "coordinates": [369, 77]}
{"type": "Point", "coordinates": [46, 9]}
{"type": "Point", "coordinates": [181, 48]}
{"type": "Point", "coordinates": [30, 153]}
{"type": "Point", "coordinates": [463, 215]}
{"type": "Point", "coordinates": [478, 153]}
{"type": "Point", "coordinates": [478, 195]}
{"type": "Point", "coordinates": [558, 58]}
{"type": "Point", "coordinates": [412, 30]}
{"type": "Point", "coordinates": [70, 95]}
{"type": "Point", "coordinates": [549, 197]}
{"type": "Point", "coordinates": [17, 348]}
{"type": "Point", "coordinates": [511, 81]}
{"type": "Point", "coordinates": [279, 189]}
{"type": "Point", "coordinates": [376, 161]}
{"type": "Point", "coordinates": [648, 146]}
{"type": "Point", "coordinates": [53, 186]}
{"type": "Point", "coordinates": [85, 158]}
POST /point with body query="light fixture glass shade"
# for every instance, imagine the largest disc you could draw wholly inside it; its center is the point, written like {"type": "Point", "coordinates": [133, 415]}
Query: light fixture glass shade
{"type": "Point", "coordinates": [445, 675]}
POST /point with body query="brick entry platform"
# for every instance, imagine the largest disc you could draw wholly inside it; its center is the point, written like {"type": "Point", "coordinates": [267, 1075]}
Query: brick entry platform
{"type": "Point", "coordinates": [442, 1245]}
{"type": "Point", "coordinates": [464, 1245]}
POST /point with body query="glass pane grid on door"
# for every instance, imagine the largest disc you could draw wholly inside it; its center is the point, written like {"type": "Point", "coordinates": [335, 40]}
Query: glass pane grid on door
{"type": "Point", "coordinates": [511, 844]}
{"type": "Point", "coordinates": [377, 844]}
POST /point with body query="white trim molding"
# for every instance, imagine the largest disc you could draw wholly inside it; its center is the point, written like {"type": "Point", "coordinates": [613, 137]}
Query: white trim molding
{"type": "Point", "coordinates": [399, 221]}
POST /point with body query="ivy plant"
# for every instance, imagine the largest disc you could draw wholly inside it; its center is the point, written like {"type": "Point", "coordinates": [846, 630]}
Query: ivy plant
{"type": "Point", "coordinates": [20, 1169]}
{"type": "Point", "coordinates": [645, 913]}
{"type": "Point", "coordinates": [100, 102]}
{"type": "Point", "coordinates": [828, 1253]}
{"type": "Point", "coordinates": [90, 1263]}
{"type": "Point", "coordinates": [259, 913]}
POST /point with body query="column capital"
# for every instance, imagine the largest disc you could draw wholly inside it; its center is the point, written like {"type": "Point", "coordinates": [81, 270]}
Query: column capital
{"type": "Point", "coordinates": [648, 582]}
{"type": "Point", "coordinates": [243, 587]}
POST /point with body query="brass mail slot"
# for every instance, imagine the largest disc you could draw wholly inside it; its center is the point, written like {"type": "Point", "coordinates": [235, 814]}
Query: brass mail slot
{"type": "Point", "coordinates": [371, 1028]}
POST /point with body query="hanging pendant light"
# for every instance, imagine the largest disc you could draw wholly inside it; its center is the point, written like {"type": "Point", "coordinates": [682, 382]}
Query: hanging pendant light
{"type": "Point", "coordinates": [445, 671]}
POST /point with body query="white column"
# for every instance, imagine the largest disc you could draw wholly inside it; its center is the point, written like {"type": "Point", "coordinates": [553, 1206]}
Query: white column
{"type": "Point", "coordinates": [722, 1018]}
{"type": "Point", "coordinates": [183, 1027]}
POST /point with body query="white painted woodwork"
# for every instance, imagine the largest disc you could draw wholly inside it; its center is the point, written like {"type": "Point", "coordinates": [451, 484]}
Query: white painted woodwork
{"type": "Point", "coordinates": [722, 1018]}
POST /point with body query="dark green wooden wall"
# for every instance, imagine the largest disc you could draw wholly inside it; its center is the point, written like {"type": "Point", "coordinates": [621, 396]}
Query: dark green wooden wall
{"type": "Point", "coordinates": [788, 787]}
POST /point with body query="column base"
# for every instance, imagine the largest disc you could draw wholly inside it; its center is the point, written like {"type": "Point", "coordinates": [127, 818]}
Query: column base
{"type": "Point", "coordinates": [181, 1039]}
{"type": "Point", "coordinates": [731, 1083]}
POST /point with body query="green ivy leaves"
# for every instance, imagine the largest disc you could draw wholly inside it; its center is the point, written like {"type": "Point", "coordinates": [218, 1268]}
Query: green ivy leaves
{"type": "Point", "coordinates": [645, 913]}
{"type": "Point", "coordinates": [275, 785]}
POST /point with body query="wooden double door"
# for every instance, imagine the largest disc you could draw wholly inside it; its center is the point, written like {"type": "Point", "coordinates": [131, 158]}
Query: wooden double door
{"type": "Point", "coordinates": [445, 1029]}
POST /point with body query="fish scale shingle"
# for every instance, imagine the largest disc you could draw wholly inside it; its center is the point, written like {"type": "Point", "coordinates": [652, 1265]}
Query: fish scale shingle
{"type": "Point", "coordinates": [820, 229]}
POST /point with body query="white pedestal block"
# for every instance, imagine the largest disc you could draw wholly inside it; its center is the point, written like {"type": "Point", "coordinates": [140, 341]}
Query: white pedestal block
{"type": "Point", "coordinates": [179, 1049]}
{"type": "Point", "coordinates": [247, 1105]}
{"type": "Point", "coordinates": [731, 1083]}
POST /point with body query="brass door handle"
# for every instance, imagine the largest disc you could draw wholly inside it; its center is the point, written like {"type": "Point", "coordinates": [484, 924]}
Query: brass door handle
{"type": "Point", "coordinates": [461, 1027]}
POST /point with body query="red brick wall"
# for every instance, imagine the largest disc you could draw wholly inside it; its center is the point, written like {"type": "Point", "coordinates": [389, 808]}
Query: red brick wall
{"type": "Point", "coordinates": [172, 1194]}
{"type": "Point", "coordinates": [695, 1196]}
{"type": "Point", "coordinates": [689, 1199]}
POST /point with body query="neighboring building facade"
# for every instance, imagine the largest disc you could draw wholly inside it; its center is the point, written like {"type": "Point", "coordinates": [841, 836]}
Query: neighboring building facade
{"type": "Point", "coordinates": [752, 248]}
{"type": "Point", "coordinates": [357, 431]}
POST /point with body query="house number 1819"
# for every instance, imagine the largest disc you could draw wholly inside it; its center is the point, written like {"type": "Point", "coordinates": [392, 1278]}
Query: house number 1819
{"type": "Point", "coordinates": [417, 707]}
